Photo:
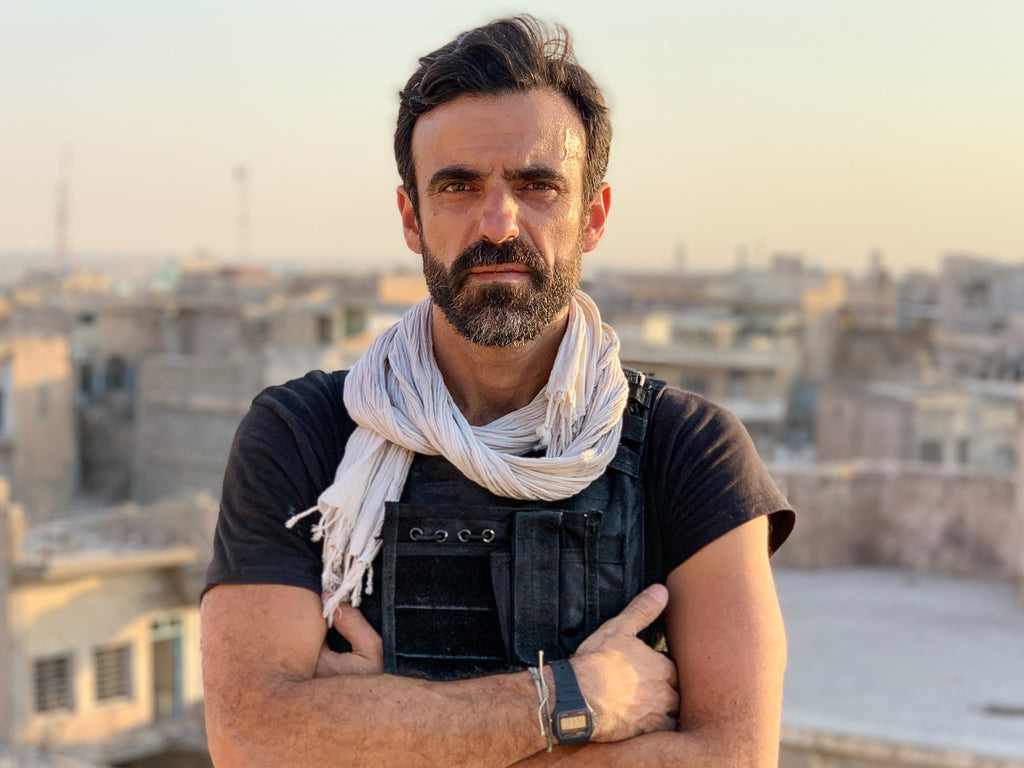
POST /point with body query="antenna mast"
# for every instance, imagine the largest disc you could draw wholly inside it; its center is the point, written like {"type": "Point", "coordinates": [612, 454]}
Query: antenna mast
{"type": "Point", "coordinates": [63, 213]}
{"type": "Point", "coordinates": [241, 176]}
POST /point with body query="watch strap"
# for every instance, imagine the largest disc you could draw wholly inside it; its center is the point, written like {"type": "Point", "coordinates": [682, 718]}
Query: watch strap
{"type": "Point", "coordinates": [572, 721]}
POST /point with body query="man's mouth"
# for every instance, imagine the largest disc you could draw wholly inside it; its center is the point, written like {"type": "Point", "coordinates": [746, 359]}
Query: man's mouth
{"type": "Point", "coordinates": [500, 272]}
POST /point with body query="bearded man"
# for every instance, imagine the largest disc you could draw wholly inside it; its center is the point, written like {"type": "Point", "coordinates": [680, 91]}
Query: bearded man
{"type": "Point", "coordinates": [491, 513]}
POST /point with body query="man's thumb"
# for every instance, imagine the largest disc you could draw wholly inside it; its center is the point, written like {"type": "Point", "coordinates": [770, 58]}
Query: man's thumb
{"type": "Point", "coordinates": [353, 626]}
{"type": "Point", "coordinates": [642, 609]}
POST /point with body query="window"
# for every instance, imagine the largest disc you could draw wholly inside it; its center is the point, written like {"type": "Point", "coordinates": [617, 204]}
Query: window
{"type": "Point", "coordinates": [117, 373]}
{"type": "Point", "coordinates": [324, 329]}
{"type": "Point", "coordinates": [355, 321]}
{"type": "Point", "coordinates": [698, 384]}
{"type": "Point", "coordinates": [85, 381]}
{"type": "Point", "coordinates": [53, 684]}
{"type": "Point", "coordinates": [931, 450]}
{"type": "Point", "coordinates": [739, 384]}
{"type": "Point", "coordinates": [976, 293]}
{"type": "Point", "coordinates": [1006, 458]}
{"type": "Point", "coordinates": [168, 685]}
{"type": "Point", "coordinates": [963, 450]}
{"type": "Point", "coordinates": [113, 673]}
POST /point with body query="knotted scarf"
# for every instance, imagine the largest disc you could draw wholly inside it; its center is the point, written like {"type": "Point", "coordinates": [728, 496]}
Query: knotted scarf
{"type": "Point", "coordinates": [397, 397]}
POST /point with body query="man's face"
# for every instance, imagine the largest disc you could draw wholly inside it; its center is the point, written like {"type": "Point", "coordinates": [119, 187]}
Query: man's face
{"type": "Point", "coordinates": [502, 223]}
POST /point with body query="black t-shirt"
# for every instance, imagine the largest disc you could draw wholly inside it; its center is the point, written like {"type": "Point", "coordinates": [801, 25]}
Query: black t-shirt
{"type": "Point", "coordinates": [702, 479]}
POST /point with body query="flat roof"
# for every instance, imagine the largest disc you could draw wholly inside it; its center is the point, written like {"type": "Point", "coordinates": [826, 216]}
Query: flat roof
{"type": "Point", "coordinates": [929, 661]}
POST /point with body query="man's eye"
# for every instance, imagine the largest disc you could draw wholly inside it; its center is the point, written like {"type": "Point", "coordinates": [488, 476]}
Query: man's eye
{"type": "Point", "coordinates": [543, 189]}
{"type": "Point", "coordinates": [455, 186]}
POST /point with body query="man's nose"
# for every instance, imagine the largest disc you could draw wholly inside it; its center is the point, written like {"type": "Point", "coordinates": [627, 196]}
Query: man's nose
{"type": "Point", "coordinates": [499, 219]}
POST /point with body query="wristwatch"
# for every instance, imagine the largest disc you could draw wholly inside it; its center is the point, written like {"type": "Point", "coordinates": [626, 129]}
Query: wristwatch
{"type": "Point", "coordinates": [572, 721]}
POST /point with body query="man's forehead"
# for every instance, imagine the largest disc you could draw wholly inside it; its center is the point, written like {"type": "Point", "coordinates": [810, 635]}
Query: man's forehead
{"type": "Point", "coordinates": [520, 128]}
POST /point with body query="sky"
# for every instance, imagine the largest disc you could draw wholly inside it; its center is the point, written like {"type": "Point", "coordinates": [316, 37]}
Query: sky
{"type": "Point", "coordinates": [829, 129]}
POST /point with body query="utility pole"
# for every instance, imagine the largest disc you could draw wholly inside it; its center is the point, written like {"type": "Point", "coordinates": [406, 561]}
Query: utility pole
{"type": "Point", "coordinates": [62, 213]}
{"type": "Point", "coordinates": [679, 257]}
{"type": "Point", "coordinates": [241, 176]}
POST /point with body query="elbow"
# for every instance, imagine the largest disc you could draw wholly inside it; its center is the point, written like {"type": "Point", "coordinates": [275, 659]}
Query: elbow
{"type": "Point", "coordinates": [226, 745]}
{"type": "Point", "coordinates": [225, 754]}
{"type": "Point", "coordinates": [236, 739]}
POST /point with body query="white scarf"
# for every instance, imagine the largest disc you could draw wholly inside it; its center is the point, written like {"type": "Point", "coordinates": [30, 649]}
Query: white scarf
{"type": "Point", "coordinates": [397, 397]}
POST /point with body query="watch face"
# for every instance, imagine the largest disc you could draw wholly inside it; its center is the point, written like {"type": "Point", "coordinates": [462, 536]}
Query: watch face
{"type": "Point", "coordinates": [573, 724]}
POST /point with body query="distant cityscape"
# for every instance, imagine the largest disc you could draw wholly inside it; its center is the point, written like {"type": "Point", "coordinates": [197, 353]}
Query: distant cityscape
{"type": "Point", "coordinates": [896, 402]}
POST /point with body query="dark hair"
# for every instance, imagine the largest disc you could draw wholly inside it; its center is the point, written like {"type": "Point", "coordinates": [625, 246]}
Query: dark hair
{"type": "Point", "coordinates": [506, 56]}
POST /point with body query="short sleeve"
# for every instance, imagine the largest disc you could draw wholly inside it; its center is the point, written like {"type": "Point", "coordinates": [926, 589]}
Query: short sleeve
{"type": "Point", "coordinates": [285, 452]}
{"type": "Point", "coordinates": [706, 478]}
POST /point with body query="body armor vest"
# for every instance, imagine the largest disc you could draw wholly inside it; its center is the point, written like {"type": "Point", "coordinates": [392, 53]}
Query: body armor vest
{"type": "Point", "coordinates": [469, 583]}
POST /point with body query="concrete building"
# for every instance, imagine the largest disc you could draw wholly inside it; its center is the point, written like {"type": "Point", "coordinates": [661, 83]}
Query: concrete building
{"type": "Point", "coordinates": [146, 369]}
{"type": "Point", "coordinates": [188, 405]}
{"type": "Point", "coordinates": [30, 757]}
{"type": "Point", "coordinates": [719, 356]}
{"type": "Point", "coordinates": [99, 653]}
{"type": "Point", "coordinates": [979, 295]}
{"type": "Point", "coordinates": [972, 424]}
{"type": "Point", "coordinates": [37, 436]}
{"type": "Point", "coordinates": [110, 339]}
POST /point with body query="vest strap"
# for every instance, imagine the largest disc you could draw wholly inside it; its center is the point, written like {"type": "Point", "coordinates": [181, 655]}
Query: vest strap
{"type": "Point", "coordinates": [537, 542]}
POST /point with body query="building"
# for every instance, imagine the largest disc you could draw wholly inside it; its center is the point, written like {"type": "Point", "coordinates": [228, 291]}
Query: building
{"type": "Point", "coordinates": [99, 650]}
{"type": "Point", "coordinates": [38, 453]}
{"type": "Point", "coordinates": [979, 295]}
{"type": "Point", "coordinates": [721, 357]}
{"type": "Point", "coordinates": [154, 383]}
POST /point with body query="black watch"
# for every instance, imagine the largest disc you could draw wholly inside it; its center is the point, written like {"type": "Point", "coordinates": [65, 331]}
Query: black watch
{"type": "Point", "coordinates": [572, 722]}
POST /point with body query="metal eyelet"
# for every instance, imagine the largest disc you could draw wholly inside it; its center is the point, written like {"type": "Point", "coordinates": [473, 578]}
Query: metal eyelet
{"type": "Point", "coordinates": [487, 535]}
{"type": "Point", "coordinates": [440, 536]}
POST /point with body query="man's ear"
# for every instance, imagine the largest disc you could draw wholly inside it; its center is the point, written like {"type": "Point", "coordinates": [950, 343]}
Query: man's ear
{"type": "Point", "coordinates": [410, 224]}
{"type": "Point", "coordinates": [598, 217]}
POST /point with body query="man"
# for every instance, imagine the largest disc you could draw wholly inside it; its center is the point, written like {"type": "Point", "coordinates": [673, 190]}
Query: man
{"type": "Point", "coordinates": [487, 484]}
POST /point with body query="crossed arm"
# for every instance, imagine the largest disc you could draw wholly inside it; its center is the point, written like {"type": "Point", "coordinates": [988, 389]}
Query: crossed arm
{"type": "Point", "coordinates": [275, 697]}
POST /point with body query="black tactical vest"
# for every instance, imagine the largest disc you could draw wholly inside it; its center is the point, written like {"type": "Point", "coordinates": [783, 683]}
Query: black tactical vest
{"type": "Point", "coordinates": [469, 583]}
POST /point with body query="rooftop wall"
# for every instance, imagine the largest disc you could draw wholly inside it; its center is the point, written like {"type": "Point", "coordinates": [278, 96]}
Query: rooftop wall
{"type": "Point", "coordinates": [903, 515]}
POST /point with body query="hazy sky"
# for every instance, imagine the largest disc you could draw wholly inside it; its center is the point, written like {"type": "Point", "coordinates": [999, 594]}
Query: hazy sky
{"type": "Point", "coordinates": [827, 127]}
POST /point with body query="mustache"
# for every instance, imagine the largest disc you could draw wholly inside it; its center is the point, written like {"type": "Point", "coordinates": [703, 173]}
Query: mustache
{"type": "Point", "coordinates": [485, 254]}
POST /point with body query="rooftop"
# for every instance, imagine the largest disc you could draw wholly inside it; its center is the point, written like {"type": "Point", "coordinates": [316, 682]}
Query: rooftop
{"type": "Point", "coordinates": [926, 662]}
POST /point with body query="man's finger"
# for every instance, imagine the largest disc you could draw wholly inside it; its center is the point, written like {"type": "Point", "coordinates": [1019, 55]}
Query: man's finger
{"type": "Point", "coordinates": [642, 610]}
{"type": "Point", "coordinates": [353, 626]}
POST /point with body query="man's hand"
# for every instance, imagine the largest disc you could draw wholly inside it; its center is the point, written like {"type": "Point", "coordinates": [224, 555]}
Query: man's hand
{"type": "Point", "coordinates": [367, 654]}
{"type": "Point", "coordinates": [632, 688]}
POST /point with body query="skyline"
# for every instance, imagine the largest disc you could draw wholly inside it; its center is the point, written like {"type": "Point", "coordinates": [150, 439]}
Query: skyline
{"type": "Point", "coordinates": [827, 131]}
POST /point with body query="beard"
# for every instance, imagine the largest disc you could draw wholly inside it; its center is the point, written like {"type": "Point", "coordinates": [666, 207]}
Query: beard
{"type": "Point", "coordinates": [503, 314]}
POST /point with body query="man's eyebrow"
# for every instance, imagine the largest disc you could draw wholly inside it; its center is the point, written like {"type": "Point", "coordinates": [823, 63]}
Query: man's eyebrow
{"type": "Point", "coordinates": [536, 173]}
{"type": "Point", "coordinates": [453, 173]}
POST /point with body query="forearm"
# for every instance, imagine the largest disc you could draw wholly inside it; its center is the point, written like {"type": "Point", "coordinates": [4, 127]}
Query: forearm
{"type": "Point", "coordinates": [664, 748]}
{"type": "Point", "coordinates": [269, 703]}
{"type": "Point", "coordinates": [272, 699]}
{"type": "Point", "coordinates": [375, 720]}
